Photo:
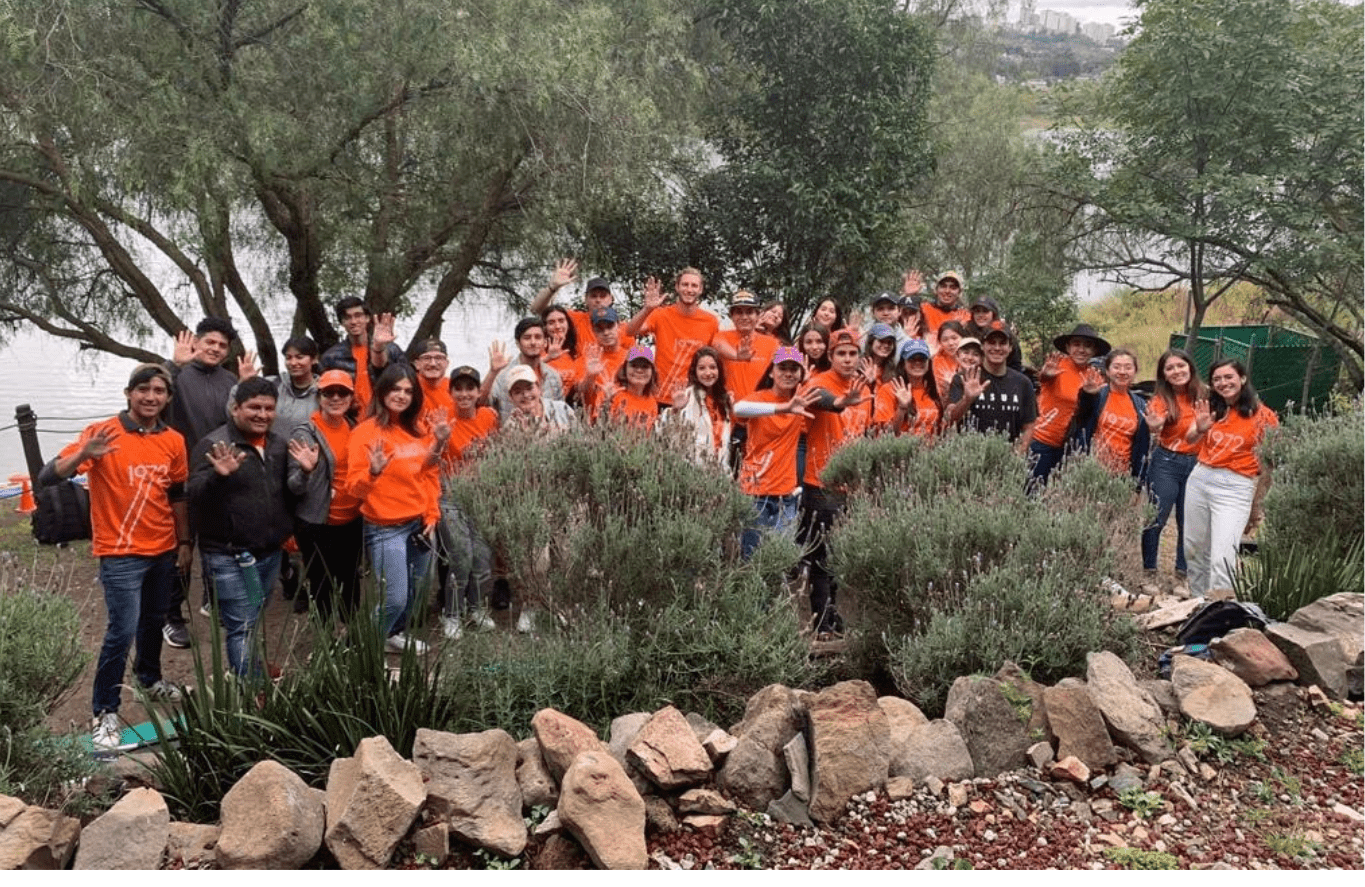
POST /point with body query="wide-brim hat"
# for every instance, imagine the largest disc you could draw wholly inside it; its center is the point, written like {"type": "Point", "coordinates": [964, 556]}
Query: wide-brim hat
{"type": "Point", "coordinates": [1084, 331]}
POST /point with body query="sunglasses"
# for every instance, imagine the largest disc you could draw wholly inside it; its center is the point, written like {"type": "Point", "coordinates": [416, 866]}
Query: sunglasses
{"type": "Point", "coordinates": [335, 392]}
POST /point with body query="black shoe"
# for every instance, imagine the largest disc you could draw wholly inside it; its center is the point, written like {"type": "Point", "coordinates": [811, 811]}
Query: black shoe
{"type": "Point", "coordinates": [502, 594]}
{"type": "Point", "coordinates": [176, 635]}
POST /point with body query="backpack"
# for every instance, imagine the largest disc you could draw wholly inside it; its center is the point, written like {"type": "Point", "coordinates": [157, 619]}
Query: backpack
{"type": "Point", "coordinates": [1217, 618]}
{"type": "Point", "coordinates": [62, 514]}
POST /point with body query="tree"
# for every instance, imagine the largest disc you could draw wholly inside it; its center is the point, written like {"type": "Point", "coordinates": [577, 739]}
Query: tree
{"type": "Point", "coordinates": [354, 147]}
{"type": "Point", "coordinates": [1226, 146]}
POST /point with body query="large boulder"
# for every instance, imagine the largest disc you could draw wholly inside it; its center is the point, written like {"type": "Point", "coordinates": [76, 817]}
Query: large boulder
{"type": "Point", "coordinates": [1212, 695]}
{"type": "Point", "coordinates": [772, 716]}
{"type": "Point", "coordinates": [1319, 658]}
{"type": "Point", "coordinates": [561, 740]}
{"type": "Point", "coordinates": [1079, 727]}
{"type": "Point", "coordinates": [600, 806]}
{"type": "Point", "coordinates": [934, 751]}
{"type": "Point", "coordinates": [271, 819]}
{"type": "Point", "coordinates": [131, 835]}
{"type": "Point", "coordinates": [753, 774]}
{"type": "Point", "coordinates": [903, 717]}
{"type": "Point", "coordinates": [850, 746]}
{"type": "Point", "coordinates": [472, 786]}
{"type": "Point", "coordinates": [1133, 717]}
{"type": "Point", "coordinates": [994, 725]}
{"type": "Point", "coordinates": [1250, 655]}
{"type": "Point", "coordinates": [34, 838]}
{"type": "Point", "coordinates": [666, 749]}
{"type": "Point", "coordinates": [372, 801]}
{"type": "Point", "coordinates": [1341, 615]}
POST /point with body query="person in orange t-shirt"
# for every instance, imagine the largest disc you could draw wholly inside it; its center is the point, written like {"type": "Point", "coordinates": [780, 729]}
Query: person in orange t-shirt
{"type": "Point", "coordinates": [393, 471]}
{"type": "Point", "coordinates": [562, 351]}
{"type": "Point", "coordinates": [1223, 496]}
{"type": "Point", "coordinates": [1170, 416]}
{"type": "Point", "coordinates": [596, 294]}
{"type": "Point", "coordinates": [947, 304]}
{"type": "Point", "coordinates": [140, 532]}
{"type": "Point", "coordinates": [367, 348]}
{"type": "Point", "coordinates": [431, 361]}
{"type": "Point", "coordinates": [1062, 376]}
{"type": "Point", "coordinates": [915, 403]}
{"type": "Point", "coordinates": [1112, 420]}
{"type": "Point", "coordinates": [747, 353]}
{"type": "Point", "coordinates": [679, 329]}
{"type": "Point", "coordinates": [633, 399]}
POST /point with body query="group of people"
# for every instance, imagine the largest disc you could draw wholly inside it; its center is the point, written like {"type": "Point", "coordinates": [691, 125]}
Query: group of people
{"type": "Point", "coordinates": [346, 454]}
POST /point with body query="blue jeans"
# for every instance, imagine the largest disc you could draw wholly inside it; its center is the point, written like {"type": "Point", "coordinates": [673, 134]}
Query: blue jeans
{"type": "Point", "coordinates": [467, 558]}
{"type": "Point", "coordinates": [400, 559]}
{"type": "Point", "coordinates": [775, 513]}
{"type": "Point", "coordinates": [236, 612]}
{"type": "Point", "coordinates": [1167, 476]}
{"type": "Point", "coordinates": [137, 591]}
{"type": "Point", "coordinates": [1042, 460]}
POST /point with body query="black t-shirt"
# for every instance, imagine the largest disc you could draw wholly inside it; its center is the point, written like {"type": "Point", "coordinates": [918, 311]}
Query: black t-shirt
{"type": "Point", "coordinates": [1007, 404]}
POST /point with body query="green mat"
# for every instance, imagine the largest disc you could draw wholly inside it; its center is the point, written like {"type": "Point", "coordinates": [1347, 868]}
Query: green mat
{"type": "Point", "coordinates": [134, 737]}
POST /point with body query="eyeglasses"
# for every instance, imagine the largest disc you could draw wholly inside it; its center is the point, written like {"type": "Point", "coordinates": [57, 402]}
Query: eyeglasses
{"type": "Point", "coordinates": [335, 392]}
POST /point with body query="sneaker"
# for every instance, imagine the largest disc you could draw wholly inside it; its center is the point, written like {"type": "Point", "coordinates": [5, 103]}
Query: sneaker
{"type": "Point", "coordinates": [105, 732]}
{"type": "Point", "coordinates": [205, 610]}
{"type": "Point", "coordinates": [176, 635]}
{"type": "Point", "coordinates": [452, 628]}
{"type": "Point", "coordinates": [398, 642]}
{"type": "Point", "coordinates": [481, 620]}
{"type": "Point", "coordinates": [162, 691]}
{"type": "Point", "coordinates": [525, 622]}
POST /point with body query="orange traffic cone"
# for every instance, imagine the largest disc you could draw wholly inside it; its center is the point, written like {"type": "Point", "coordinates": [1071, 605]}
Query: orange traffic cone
{"type": "Point", "coordinates": [26, 504]}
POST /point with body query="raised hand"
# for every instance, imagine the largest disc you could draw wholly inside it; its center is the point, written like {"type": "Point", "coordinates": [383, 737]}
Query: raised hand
{"type": "Point", "coordinates": [1203, 416]}
{"type": "Point", "coordinates": [99, 444]}
{"type": "Point", "coordinates": [972, 384]}
{"type": "Point", "coordinates": [304, 454]}
{"type": "Point", "coordinates": [564, 274]}
{"type": "Point", "coordinates": [800, 403]}
{"type": "Point", "coordinates": [379, 458]}
{"type": "Point", "coordinates": [1052, 366]}
{"type": "Point", "coordinates": [654, 294]}
{"type": "Point", "coordinates": [680, 396]}
{"type": "Point", "coordinates": [225, 457]}
{"type": "Point", "coordinates": [1092, 381]}
{"type": "Point", "coordinates": [746, 347]}
{"type": "Point", "coordinates": [856, 389]}
{"type": "Point", "coordinates": [592, 363]}
{"type": "Point", "coordinates": [383, 331]}
{"type": "Point", "coordinates": [854, 320]}
{"type": "Point", "coordinates": [497, 357]}
{"type": "Point", "coordinates": [912, 283]}
{"type": "Point", "coordinates": [1155, 421]}
{"type": "Point", "coordinates": [904, 394]}
{"type": "Point", "coordinates": [913, 324]}
{"type": "Point", "coordinates": [184, 348]}
{"type": "Point", "coordinates": [439, 421]}
{"type": "Point", "coordinates": [246, 367]}
{"type": "Point", "coordinates": [869, 371]}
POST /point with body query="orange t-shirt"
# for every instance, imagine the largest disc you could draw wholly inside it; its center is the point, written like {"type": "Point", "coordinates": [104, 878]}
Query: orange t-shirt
{"type": "Point", "coordinates": [407, 489]}
{"type": "Point", "coordinates": [1231, 441]}
{"type": "Point", "coordinates": [1057, 403]}
{"type": "Point", "coordinates": [935, 317]}
{"type": "Point", "coordinates": [925, 421]}
{"type": "Point", "coordinates": [361, 355]}
{"type": "Point", "coordinates": [742, 376]}
{"type": "Point", "coordinates": [769, 467]}
{"type": "Point", "coordinates": [830, 430]}
{"type": "Point", "coordinates": [677, 337]}
{"type": "Point", "coordinates": [1173, 433]}
{"type": "Point", "coordinates": [130, 506]}
{"type": "Point", "coordinates": [570, 370]}
{"type": "Point", "coordinates": [634, 409]}
{"type": "Point", "coordinates": [1114, 433]}
{"type": "Point", "coordinates": [945, 367]}
{"type": "Point", "coordinates": [611, 364]}
{"type": "Point", "coordinates": [464, 433]}
{"type": "Point", "coordinates": [582, 325]}
{"type": "Point", "coordinates": [883, 407]}
{"type": "Point", "coordinates": [436, 396]}
{"type": "Point", "coordinates": [344, 507]}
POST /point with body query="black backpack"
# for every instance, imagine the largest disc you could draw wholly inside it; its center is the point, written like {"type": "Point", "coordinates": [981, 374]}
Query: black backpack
{"type": "Point", "coordinates": [63, 513]}
{"type": "Point", "coordinates": [1217, 618]}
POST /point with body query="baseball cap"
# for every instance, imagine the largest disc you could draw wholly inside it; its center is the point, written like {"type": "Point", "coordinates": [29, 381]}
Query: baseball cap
{"type": "Point", "coordinates": [597, 283]}
{"type": "Point", "coordinates": [881, 331]}
{"type": "Point", "coordinates": [743, 299]}
{"type": "Point", "coordinates": [844, 336]}
{"type": "Point", "coordinates": [953, 275]}
{"type": "Point", "coordinates": [605, 314]}
{"type": "Point", "coordinates": [465, 372]}
{"type": "Point", "coordinates": [520, 373]}
{"type": "Point", "coordinates": [640, 352]}
{"type": "Point", "coordinates": [969, 341]}
{"type": "Point", "coordinates": [336, 379]}
{"type": "Point", "coordinates": [885, 296]}
{"type": "Point", "coordinates": [914, 348]}
{"type": "Point", "coordinates": [995, 328]}
{"type": "Point", "coordinates": [426, 346]}
{"type": "Point", "coordinates": [788, 354]}
{"type": "Point", "coordinates": [909, 302]}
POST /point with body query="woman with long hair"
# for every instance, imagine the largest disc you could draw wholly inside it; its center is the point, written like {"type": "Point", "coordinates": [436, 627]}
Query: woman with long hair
{"type": "Point", "coordinates": [394, 471]}
{"type": "Point", "coordinates": [916, 406]}
{"type": "Point", "coordinates": [327, 517]}
{"type": "Point", "coordinates": [773, 320]}
{"type": "Point", "coordinates": [1223, 496]}
{"type": "Point", "coordinates": [813, 342]}
{"type": "Point", "coordinates": [828, 314]}
{"type": "Point", "coordinates": [944, 362]}
{"type": "Point", "coordinates": [561, 348]}
{"type": "Point", "coordinates": [1170, 415]}
{"type": "Point", "coordinates": [634, 397]}
{"type": "Point", "coordinates": [704, 405]}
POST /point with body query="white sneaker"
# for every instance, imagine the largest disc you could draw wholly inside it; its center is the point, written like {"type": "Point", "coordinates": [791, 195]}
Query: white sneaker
{"type": "Point", "coordinates": [398, 642]}
{"type": "Point", "coordinates": [163, 691]}
{"type": "Point", "coordinates": [105, 732]}
{"type": "Point", "coordinates": [452, 628]}
{"type": "Point", "coordinates": [205, 610]}
{"type": "Point", "coordinates": [481, 620]}
{"type": "Point", "coordinates": [525, 622]}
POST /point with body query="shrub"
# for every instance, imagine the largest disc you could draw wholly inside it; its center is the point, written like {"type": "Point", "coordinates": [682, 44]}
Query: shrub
{"type": "Point", "coordinates": [958, 570]}
{"type": "Point", "coordinates": [1284, 576]}
{"type": "Point", "coordinates": [1318, 489]}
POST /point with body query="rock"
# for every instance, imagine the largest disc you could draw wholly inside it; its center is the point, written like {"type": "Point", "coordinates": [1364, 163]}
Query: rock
{"type": "Point", "coordinates": [559, 854]}
{"type": "Point", "coordinates": [772, 716]}
{"type": "Point", "coordinates": [1320, 658]}
{"type": "Point", "coordinates": [10, 808]}
{"type": "Point", "coordinates": [903, 717]}
{"type": "Point", "coordinates": [552, 824]}
{"type": "Point", "coordinates": [790, 809]}
{"type": "Point", "coordinates": [1040, 754]}
{"type": "Point", "coordinates": [939, 858]}
{"type": "Point", "coordinates": [372, 801]}
{"type": "Point", "coordinates": [561, 740]}
{"type": "Point", "coordinates": [1163, 694]}
{"type": "Point", "coordinates": [1188, 759]}
{"type": "Point", "coordinates": [718, 745]}
{"type": "Point", "coordinates": [898, 788]}
{"type": "Point", "coordinates": [934, 785]}
{"type": "Point", "coordinates": [753, 775]}
{"type": "Point", "coordinates": [935, 751]}
{"type": "Point", "coordinates": [994, 727]}
{"type": "Point", "coordinates": [623, 732]}
{"type": "Point", "coordinates": [472, 786]}
{"type": "Point", "coordinates": [433, 843]}
{"type": "Point", "coordinates": [701, 727]}
{"type": "Point", "coordinates": [957, 794]}
{"type": "Point", "coordinates": [598, 804]}
{"type": "Point", "coordinates": [704, 801]}
{"type": "Point", "coordinates": [538, 788]}
{"type": "Point", "coordinates": [1213, 695]}
{"type": "Point", "coordinates": [703, 822]}
{"type": "Point", "coordinates": [1132, 716]}
{"type": "Point", "coordinates": [850, 746]}
{"type": "Point", "coordinates": [659, 816]}
{"type": "Point", "coordinates": [37, 839]}
{"type": "Point", "coordinates": [668, 751]}
{"type": "Point", "coordinates": [1171, 614]}
{"type": "Point", "coordinates": [797, 758]}
{"type": "Point", "coordinates": [131, 835]}
{"type": "Point", "coordinates": [271, 819]}
{"type": "Point", "coordinates": [193, 846]}
{"type": "Point", "coordinates": [1079, 727]}
{"type": "Point", "coordinates": [1347, 811]}
{"type": "Point", "coordinates": [1251, 656]}
{"type": "Point", "coordinates": [1071, 768]}
{"type": "Point", "coordinates": [1341, 615]}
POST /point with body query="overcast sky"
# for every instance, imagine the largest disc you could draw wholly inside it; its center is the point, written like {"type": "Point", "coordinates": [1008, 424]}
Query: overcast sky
{"type": "Point", "coordinates": [1107, 11]}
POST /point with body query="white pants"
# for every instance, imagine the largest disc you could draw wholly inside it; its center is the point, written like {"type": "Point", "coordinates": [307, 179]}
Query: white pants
{"type": "Point", "coordinates": [1217, 507]}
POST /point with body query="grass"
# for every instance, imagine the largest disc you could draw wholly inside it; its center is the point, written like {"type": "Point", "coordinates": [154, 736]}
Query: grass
{"type": "Point", "coordinates": [1140, 860]}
